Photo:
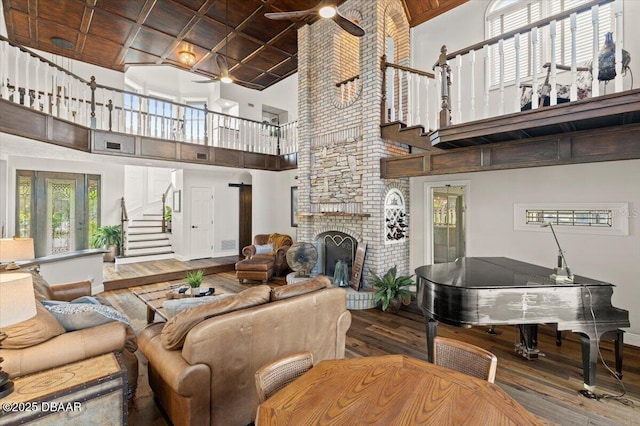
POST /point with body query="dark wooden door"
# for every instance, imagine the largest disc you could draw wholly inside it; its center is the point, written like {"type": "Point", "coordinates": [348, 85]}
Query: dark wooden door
{"type": "Point", "coordinates": [245, 234]}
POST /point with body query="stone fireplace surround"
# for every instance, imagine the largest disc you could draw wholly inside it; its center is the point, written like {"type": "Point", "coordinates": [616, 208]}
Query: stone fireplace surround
{"type": "Point", "coordinates": [340, 186]}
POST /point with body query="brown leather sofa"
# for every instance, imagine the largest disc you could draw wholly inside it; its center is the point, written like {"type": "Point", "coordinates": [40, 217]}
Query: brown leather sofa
{"type": "Point", "coordinates": [68, 347]}
{"type": "Point", "coordinates": [210, 379]}
{"type": "Point", "coordinates": [281, 244]}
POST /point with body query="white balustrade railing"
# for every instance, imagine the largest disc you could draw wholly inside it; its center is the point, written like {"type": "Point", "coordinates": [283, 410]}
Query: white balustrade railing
{"type": "Point", "coordinates": [35, 82]}
{"type": "Point", "coordinates": [536, 67]}
{"type": "Point", "coordinates": [410, 96]}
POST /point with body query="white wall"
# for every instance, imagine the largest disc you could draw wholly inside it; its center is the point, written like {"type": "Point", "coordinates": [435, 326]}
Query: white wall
{"type": "Point", "coordinates": [271, 202]}
{"type": "Point", "coordinates": [490, 227]}
{"type": "Point", "coordinates": [112, 178]}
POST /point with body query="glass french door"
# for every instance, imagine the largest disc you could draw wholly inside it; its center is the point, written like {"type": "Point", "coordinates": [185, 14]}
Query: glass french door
{"type": "Point", "coordinates": [448, 223]}
{"type": "Point", "coordinates": [58, 210]}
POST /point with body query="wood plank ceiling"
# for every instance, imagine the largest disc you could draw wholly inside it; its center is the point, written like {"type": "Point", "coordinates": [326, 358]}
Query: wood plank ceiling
{"type": "Point", "coordinates": [116, 34]}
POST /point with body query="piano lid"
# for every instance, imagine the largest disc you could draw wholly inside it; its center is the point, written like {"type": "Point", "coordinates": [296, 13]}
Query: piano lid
{"type": "Point", "coordinates": [494, 272]}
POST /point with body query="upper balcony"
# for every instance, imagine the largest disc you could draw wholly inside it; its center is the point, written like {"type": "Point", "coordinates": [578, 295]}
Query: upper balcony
{"type": "Point", "coordinates": [43, 101]}
{"type": "Point", "coordinates": [510, 101]}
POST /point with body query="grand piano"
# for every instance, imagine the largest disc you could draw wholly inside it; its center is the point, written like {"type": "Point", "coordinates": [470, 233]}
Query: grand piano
{"type": "Point", "coordinates": [490, 291]}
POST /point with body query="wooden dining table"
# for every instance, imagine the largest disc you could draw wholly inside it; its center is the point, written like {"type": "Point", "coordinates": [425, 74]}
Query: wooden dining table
{"type": "Point", "coordinates": [390, 390]}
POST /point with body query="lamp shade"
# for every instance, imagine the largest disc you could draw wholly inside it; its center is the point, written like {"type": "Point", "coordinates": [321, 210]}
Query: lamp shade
{"type": "Point", "coordinates": [12, 249]}
{"type": "Point", "coordinates": [17, 300]}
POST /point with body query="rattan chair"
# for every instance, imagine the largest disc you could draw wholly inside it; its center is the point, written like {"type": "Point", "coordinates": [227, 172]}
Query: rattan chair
{"type": "Point", "coordinates": [272, 377]}
{"type": "Point", "coordinates": [465, 358]}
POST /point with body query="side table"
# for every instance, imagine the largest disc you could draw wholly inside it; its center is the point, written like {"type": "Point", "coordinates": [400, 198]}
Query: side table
{"type": "Point", "coordinates": [91, 391]}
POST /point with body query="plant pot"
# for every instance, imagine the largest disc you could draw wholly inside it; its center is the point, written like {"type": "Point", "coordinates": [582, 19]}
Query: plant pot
{"type": "Point", "coordinates": [195, 291]}
{"type": "Point", "coordinates": [112, 254]}
{"type": "Point", "coordinates": [394, 304]}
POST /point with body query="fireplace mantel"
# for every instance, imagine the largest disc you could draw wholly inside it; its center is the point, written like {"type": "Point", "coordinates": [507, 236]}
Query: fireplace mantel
{"type": "Point", "coordinates": [338, 214]}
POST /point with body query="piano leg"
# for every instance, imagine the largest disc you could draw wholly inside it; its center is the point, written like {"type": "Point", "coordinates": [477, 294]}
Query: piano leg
{"type": "Point", "coordinates": [528, 341]}
{"type": "Point", "coordinates": [619, 344]}
{"type": "Point", "coordinates": [589, 363]}
{"type": "Point", "coordinates": [432, 332]}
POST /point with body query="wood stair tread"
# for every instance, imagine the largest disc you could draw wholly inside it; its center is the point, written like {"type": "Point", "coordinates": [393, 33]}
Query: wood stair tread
{"type": "Point", "coordinates": [151, 254]}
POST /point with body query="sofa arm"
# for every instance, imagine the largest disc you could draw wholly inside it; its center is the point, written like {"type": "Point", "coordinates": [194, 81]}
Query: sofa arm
{"type": "Point", "coordinates": [70, 291]}
{"type": "Point", "coordinates": [65, 348]}
{"type": "Point", "coordinates": [183, 378]}
{"type": "Point", "coordinates": [281, 256]}
{"type": "Point", "coordinates": [344, 322]}
{"type": "Point", "coordinates": [249, 251]}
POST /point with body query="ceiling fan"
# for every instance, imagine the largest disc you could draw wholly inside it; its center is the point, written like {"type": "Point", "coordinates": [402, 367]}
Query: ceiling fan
{"type": "Point", "coordinates": [221, 61]}
{"type": "Point", "coordinates": [326, 9]}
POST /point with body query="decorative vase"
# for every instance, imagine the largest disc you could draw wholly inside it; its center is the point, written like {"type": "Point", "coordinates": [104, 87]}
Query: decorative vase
{"type": "Point", "coordinates": [394, 304]}
{"type": "Point", "coordinates": [341, 274]}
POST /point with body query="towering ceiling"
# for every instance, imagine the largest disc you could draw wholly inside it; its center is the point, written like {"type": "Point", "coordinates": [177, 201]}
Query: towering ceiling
{"type": "Point", "coordinates": [118, 33]}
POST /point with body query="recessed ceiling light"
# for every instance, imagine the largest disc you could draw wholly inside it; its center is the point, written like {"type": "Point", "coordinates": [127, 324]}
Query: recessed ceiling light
{"type": "Point", "coordinates": [62, 42]}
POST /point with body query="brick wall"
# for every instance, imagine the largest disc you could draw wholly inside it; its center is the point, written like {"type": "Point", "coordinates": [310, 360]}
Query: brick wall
{"type": "Point", "coordinates": [340, 146]}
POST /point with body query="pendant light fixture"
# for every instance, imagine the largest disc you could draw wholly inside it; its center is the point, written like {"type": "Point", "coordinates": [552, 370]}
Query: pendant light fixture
{"type": "Point", "coordinates": [223, 65]}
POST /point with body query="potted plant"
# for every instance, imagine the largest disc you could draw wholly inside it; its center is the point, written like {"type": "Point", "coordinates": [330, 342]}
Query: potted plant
{"type": "Point", "coordinates": [194, 279]}
{"type": "Point", "coordinates": [168, 215]}
{"type": "Point", "coordinates": [390, 290]}
{"type": "Point", "coordinates": [110, 238]}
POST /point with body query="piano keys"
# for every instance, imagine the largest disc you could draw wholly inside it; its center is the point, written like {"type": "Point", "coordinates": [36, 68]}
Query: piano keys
{"type": "Point", "coordinates": [500, 291]}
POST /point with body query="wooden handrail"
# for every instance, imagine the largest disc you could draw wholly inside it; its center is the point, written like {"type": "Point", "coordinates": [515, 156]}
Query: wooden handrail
{"type": "Point", "coordinates": [164, 204]}
{"type": "Point", "coordinates": [124, 217]}
{"type": "Point", "coordinates": [409, 69]}
{"type": "Point", "coordinates": [348, 80]}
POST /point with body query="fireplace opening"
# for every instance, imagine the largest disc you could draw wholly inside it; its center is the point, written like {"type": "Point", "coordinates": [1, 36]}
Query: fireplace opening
{"type": "Point", "coordinates": [334, 246]}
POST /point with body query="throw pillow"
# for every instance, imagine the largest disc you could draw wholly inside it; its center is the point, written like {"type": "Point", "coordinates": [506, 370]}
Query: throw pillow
{"type": "Point", "coordinates": [302, 287]}
{"type": "Point", "coordinates": [31, 332]}
{"type": "Point", "coordinates": [264, 249]}
{"type": "Point", "coordinates": [176, 329]}
{"type": "Point", "coordinates": [175, 306]}
{"type": "Point", "coordinates": [77, 316]}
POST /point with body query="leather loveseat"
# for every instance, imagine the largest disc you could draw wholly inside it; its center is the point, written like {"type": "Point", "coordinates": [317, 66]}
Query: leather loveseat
{"type": "Point", "coordinates": [206, 377]}
{"type": "Point", "coordinates": [43, 343]}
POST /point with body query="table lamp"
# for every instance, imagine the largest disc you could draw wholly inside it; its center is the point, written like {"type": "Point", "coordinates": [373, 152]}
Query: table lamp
{"type": "Point", "coordinates": [562, 273]}
{"type": "Point", "coordinates": [17, 304]}
{"type": "Point", "coordinates": [12, 249]}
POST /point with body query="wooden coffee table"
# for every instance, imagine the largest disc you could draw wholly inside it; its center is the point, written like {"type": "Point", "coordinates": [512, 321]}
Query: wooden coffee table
{"type": "Point", "coordinates": [155, 295]}
{"type": "Point", "coordinates": [390, 390]}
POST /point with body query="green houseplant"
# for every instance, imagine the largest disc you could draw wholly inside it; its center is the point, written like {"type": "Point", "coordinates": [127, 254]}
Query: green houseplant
{"type": "Point", "coordinates": [168, 215]}
{"type": "Point", "coordinates": [110, 238]}
{"type": "Point", "coordinates": [390, 291]}
{"type": "Point", "coordinates": [194, 279]}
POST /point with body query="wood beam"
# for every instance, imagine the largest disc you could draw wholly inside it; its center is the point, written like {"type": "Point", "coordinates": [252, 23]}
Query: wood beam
{"type": "Point", "coordinates": [606, 144]}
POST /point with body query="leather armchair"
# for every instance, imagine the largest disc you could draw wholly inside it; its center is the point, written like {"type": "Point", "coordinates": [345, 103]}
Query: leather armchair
{"type": "Point", "coordinates": [279, 256]}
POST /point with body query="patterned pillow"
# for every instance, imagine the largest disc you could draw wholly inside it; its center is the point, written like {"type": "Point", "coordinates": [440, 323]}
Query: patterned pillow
{"type": "Point", "coordinates": [77, 316]}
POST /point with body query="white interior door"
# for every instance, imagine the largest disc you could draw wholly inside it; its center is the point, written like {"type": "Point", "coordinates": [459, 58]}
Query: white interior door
{"type": "Point", "coordinates": [201, 214]}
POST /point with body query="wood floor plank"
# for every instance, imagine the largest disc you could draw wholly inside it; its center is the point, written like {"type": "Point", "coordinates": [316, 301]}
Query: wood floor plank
{"type": "Point", "coordinates": [548, 387]}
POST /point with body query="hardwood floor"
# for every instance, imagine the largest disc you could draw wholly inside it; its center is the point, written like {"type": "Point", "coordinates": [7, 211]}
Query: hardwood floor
{"type": "Point", "coordinates": [548, 387]}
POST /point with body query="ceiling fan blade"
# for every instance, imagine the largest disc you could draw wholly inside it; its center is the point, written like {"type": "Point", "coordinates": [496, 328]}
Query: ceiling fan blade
{"type": "Point", "coordinates": [348, 25]}
{"type": "Point", "coordinates": [213, 80]}
{"type": "Point", "coordinates": [297, 14]}
{"type": "Point", "coordinates": [222, 64]}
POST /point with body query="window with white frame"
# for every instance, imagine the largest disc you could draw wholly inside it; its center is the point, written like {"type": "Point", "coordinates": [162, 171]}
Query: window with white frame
{"type": "Point", "coordinates": [504, 16]}
{"type": "Point", "coordinates": [574, 218]}
{"type": "Point", "coordinates": [194, 122]}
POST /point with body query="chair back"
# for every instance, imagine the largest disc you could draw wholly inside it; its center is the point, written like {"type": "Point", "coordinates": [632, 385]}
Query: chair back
{"type": "Point", "coordinates": [272, 377]}
{"type": "Point", "coordinates": [465, 358]}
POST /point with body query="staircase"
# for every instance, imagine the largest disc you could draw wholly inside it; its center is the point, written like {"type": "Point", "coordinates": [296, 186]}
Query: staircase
{"type": "Point", "coordinates": [145, 240]}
